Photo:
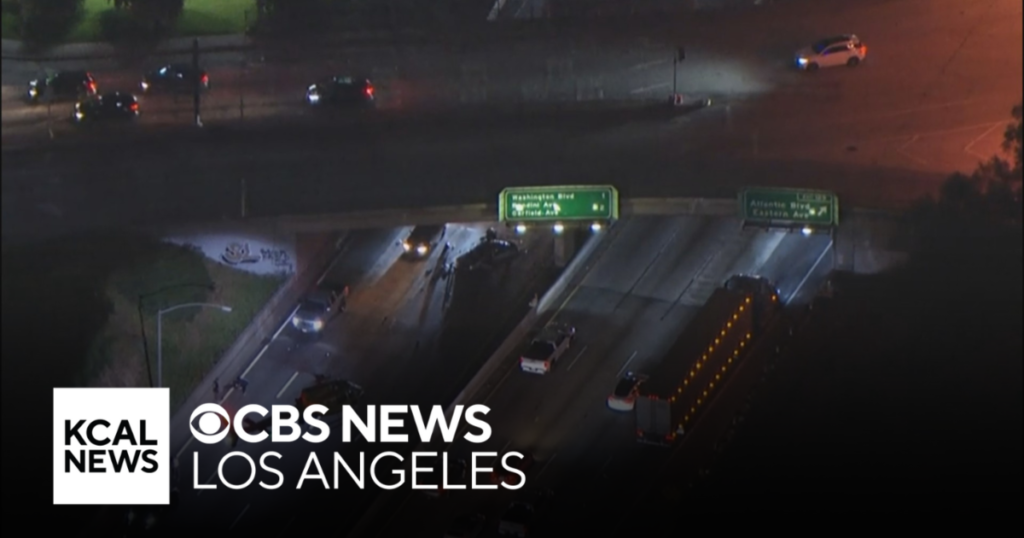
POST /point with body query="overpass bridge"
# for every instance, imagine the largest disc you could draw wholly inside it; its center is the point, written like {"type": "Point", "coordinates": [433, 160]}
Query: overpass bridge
{"type": "Point", "coordinates": [566, 211]}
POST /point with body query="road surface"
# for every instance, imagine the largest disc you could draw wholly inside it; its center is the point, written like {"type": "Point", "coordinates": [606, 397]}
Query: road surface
{"type": "Point", "coordinates": [931, 98]}
{"type": "Point", "coordinates": [632, 305]}
{"type": "Point", "coordinates": [394, 340]}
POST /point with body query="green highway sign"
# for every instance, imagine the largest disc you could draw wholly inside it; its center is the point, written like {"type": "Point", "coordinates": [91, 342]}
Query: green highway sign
{"type": "Point", "coordinates": [790, 207]}
{"type": "Point", "coordinates": [577, 202]}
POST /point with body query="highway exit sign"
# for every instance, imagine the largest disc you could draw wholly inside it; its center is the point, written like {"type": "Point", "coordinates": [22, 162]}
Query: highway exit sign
{"type": "Point", "coordinates": [576, 202]}
{"type": "Point", "coordinates": [789, 207]}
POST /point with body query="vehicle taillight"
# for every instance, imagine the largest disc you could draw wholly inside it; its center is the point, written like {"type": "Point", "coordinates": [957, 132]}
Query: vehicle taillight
{"type": "Point", "coordinates": [369, 91]}
{"type": "Point", "coordinates": [547, 365]}
{"type": "Point", "coordinates": [206, 78]}
{"type": "Point", "coordinates": [92, 87]}
{"type": "Point", "coordinates": [135, 107]}
{"type": "Point", "coordinates": [863, 49]}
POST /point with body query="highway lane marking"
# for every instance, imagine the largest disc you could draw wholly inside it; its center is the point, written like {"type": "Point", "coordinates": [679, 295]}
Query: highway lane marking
{"type": "Point", "coordinates": [650, 88]}
{"type": "Point", "coordinates": [280, 329]}
{"type": "Point", "coordinates": [967, 148]}
{"type": "Point", "coordinates": [623, 369]}
{"type": "Point", "coordinates": [648, 65]}
{"type": "Point", "coordinates": [239, 518]}
{"type": "Point", "coordinates": [565, 302]}
{"type": "Point", "coordinates": [498, 386]}
{"type": "Point", "coordinates": [903, 151]}
{"type": "Point", "coordinates": [207, 481]}
{"type": "Point", "coordinates": [827, 249]}
{"type": "Point", "coordinates": [546, 465]}
{"type": "Point", "coordinates": [578, 355]}
{"type": "Point", "coordinates": [288, 384]}
{"type": "Point", "coordinates": [908, 139]}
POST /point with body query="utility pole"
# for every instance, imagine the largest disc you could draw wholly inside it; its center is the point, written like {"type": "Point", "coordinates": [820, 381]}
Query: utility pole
{"type": "Point", "coordinates": [197, 83]}
{"type": "Point", "coordinates": [680, 56]}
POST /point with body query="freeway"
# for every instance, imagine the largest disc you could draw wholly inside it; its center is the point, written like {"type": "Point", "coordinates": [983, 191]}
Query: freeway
{"type": "Point", "coordinates": [931, 98]}
{"type": "Point", "coordinates": [395, 339]}
{"type": "Point", "coordinates": [647, 285]}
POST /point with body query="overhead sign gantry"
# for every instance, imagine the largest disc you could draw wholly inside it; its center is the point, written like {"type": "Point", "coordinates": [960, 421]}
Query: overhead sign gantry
{"type": "Point", "coordinates": [808, 210]}
{"type": "Point", "coordinates": [558, 203]}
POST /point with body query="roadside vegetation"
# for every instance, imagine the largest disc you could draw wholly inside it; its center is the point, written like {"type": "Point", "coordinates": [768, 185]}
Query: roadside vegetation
{"type": "Point", "coordinates": [70, 312]}
{"type": "Point", "coordinates": [46, 23]}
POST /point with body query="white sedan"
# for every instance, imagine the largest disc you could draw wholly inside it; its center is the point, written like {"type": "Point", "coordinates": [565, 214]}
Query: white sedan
{"type": "Point", "coordinates": [845, 50]}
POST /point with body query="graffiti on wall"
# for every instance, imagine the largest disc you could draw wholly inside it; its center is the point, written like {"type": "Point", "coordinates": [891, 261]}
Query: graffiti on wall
{"type": "Point", "coordinates": [241, 253]}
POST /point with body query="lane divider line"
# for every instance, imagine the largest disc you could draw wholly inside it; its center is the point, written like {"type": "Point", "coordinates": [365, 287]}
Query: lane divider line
{"type": "Point", "coordinates": [624, 366]}
{"type": "Point", "coordinates": [578, 355]}
{"type": "Point", "coordinates": [288, 384]}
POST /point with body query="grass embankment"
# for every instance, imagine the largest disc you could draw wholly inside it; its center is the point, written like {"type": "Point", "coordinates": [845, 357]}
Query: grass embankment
{"type": "Point", "coordinates": [70, 313]}
{"type": "Point", "coordinates": [199, 18]}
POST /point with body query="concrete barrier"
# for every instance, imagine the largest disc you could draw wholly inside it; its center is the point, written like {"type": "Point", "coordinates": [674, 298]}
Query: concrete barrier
{"type": "Point", "coordinates": [253, 339]}
{"type": "Point", "coordinates": [482, 212]}
{"type": "Point", "coordinates": [487, 377]}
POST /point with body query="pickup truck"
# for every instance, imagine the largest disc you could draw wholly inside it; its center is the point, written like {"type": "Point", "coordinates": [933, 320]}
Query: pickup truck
{"type": "Point", "coordinates": [545, 350]}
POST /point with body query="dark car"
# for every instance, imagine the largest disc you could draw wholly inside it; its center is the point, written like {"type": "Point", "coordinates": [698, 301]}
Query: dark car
{"type": "Point", "coordinates": [61, 86]}
{"type": "Point", "coordinates": [106, 107]}
{"type": "Point", "coordinates": [317, 308]}
{"type": "Point", "coordinates": [422, 239]}
{"type": "Point", "coordinates": [489, 254]}
{"type": "Point", "coordinates": [623, 398]}
{"type": "Point", "coordinates": [343, 91]}
{"type": "Point", "coordinates": [175, 78]}
{"type": "Point", "coordinates": [466, 526]}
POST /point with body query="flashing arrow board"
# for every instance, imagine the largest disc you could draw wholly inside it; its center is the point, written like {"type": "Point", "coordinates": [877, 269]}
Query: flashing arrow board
{"type": "Point", "coordinates": [596, 202]}
{"type": "Point", "coordinates": [790, 206]}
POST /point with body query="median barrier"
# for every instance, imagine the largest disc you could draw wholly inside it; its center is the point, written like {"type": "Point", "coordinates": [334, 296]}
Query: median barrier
{"type": "Point", "coordinates": [487, 376]}
{"type": "Point", "coordinates": [256, 336]}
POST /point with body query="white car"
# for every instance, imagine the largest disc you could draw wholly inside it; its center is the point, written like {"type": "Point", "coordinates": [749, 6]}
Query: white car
{"type": "Point", "coordinates": [845, 50]}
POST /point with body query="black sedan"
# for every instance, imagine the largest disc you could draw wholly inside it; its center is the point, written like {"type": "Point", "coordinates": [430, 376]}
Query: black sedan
{"type": "Point", "coordinates": [488, 255]}
{"type": "Point", "coordinates": [61, 86]}
{"type": "Point", "coordinates": [109, 106]}
{"type": "Point", "coordinates": [341, 91]}
{"type": "Point", "coordinates": [175, 78]}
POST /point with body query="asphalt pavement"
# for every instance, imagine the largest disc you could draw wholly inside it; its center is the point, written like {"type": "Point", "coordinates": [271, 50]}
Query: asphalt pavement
{"type": "Point", "coordinates": [931, 98]}
{"type": "Point", "coordinates": [632, 304]}
{"type": "Point", "coordinates": [395, 340]}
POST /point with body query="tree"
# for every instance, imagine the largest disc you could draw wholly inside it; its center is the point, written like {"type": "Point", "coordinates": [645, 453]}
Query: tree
{"type": "Point", "coordinates": [158, 15]}
{"type": "Point", "coordinates": [1012, 140]}
{"type": "Point", "coordinates": [140, 23]}
{"type": "Point", "coordinates": [44, 23]}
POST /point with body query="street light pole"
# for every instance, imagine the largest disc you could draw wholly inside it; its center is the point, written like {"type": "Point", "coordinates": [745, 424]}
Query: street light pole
{"type": "Point", "coordinates": [159, 333]}
{"type": "Point", "coordinates": [142, 319]}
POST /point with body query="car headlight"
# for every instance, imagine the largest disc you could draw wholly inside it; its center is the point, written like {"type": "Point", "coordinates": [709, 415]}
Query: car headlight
{"type": "Point", "coordinates": [33, 91]}
{"type": "Point", "coordinates": [421, 250]}
{"type": "Point", "coordinates": [313, 98]}
{"type": "Point", "coordinates": [144, 85]}
{"type": "Point", "coordinates": [801, 61]}
{"type": "Point", "coordinates": [406, 246]}
{"type": "Point", "coordinates": [296, 320]}
{"type": "Point", "coordinates": [318, 324]}
{"type": "Point", "coordinates": [79, 115]}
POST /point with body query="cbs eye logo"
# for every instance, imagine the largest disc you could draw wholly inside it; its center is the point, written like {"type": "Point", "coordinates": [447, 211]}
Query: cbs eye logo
{"type": "Point", "coordinates": [213, 424]}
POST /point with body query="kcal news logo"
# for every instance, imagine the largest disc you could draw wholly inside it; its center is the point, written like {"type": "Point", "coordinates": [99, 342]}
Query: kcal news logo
{"type": "Point", "coordinates": [111, 446]}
